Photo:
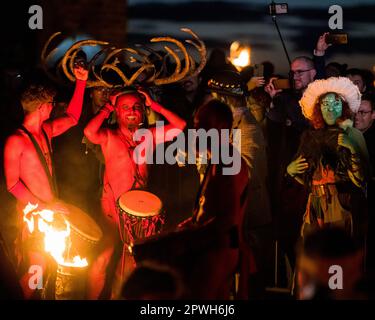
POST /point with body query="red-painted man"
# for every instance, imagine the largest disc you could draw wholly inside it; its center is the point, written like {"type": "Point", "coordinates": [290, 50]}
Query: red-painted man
{"type": "Point", "coordinates": [28, 156]}
{"type": "Point", "coordinates": [122, 172]}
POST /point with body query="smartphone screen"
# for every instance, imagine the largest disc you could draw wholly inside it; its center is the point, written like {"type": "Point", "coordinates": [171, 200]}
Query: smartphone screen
{"type": "Point", "coordinates": [337, 38]}
{"type": "Point", "coordinates": [281, 84]}
{"type": "Point", "coordinates": [278, 8]}
{"type": "Point", "coordinates": [258, 70]}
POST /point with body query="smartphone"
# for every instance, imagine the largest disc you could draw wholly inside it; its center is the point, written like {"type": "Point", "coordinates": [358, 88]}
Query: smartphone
{"type": "Point", "coordinates": [337, 38]}
{"type": "Point", "coordinates": [258, 70]}
{"type": "Point", "coordinates": [281, 84]}
{"type": "Point", "coordinates": [278, 8]}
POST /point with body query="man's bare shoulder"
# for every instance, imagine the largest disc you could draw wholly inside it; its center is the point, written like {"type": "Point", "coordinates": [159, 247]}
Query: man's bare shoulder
{"type": "Point", "coordinates": [17, 141]}
{"type": "Point", "coordinates": [17, 137]}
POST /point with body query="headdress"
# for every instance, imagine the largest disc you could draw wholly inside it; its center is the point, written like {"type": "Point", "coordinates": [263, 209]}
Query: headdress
{"type": "Point", "coordinates": [340, 85]}
{"type": "Point", "coordinates": [227, 82]}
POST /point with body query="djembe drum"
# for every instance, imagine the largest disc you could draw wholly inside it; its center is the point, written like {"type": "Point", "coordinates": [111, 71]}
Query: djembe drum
{"type": "Point", "coordinates": [69, 281]}
{"type": "Point", "coordinates": [141, 215]}
{"type": "Point", "coordinates": [85, 232]}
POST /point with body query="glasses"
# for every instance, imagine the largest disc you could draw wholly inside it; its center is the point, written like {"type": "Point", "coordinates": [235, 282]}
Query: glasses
{"type": "Point", "coordinates": [103, 90]}
{"type": "Point", "coordinates": [363, 113]}
{"type": "Point", "coordinates": [53, 103]}
{"type": "Point", "coordinates": [298, 72]}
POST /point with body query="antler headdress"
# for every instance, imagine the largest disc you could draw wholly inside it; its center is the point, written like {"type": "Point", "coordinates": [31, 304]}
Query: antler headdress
{"type": "Point", "coordinates": [117, 60]}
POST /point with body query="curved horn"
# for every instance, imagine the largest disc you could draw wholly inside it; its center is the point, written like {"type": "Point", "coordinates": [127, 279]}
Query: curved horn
{"type": "Point", "coordinates": [158, 56]}
{"type": "Point", "coordinates": [117, 70]}
{"type": "Point", "coordinates": [148, 49]}
{"type": "Point", "coordinates": [143, 60]}
{"type": "Point", "coordinates": [44, 58]}
{"type": "Point", "coordinates": [91, 67]}
{"type": "Point", "coordinates": [71, 51]}
{"type": "Point", "coordinates": [200, 46]}
{"type": "Point", "coordinates": [146, 64]}
{"type": "Point", "coordinates": [193, 64]}
{"type": "Point", "coordinates": [139, 71]}
{"type": "Point", "coordinates": [176, 58]}
{"type": "Point", "coordinates": [176, 76]}
{"type": "Point", "coordinates": [127, 82]}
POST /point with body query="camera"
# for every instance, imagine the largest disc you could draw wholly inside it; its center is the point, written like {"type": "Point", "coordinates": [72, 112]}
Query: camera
{"type": "Point", "coordinates": [278, 8]}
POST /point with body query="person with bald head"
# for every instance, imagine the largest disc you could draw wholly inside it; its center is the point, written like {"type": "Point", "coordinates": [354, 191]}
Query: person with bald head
{"type": "Point", "coordinates": [122, 173]}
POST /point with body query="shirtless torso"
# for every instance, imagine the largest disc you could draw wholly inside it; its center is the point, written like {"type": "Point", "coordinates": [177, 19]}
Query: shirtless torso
{"type": "Point", "coordinates": [122, 173]}
{"type": "Point", "coordinates": [26, 176]}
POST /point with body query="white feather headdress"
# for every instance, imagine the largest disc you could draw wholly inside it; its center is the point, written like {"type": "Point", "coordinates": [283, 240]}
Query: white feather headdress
{"type": "Point", "coordinates": [340, 85]}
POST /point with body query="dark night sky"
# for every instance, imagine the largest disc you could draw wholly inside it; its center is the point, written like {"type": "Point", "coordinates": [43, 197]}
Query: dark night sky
{"type": "Point", "coordinates": [220, 23]}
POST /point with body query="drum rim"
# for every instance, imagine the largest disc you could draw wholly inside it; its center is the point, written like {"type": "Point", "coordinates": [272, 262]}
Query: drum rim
{"type": "Point", "coordinates": [136, 214]}
{"type": "Point", "coordinates": [92, 238]}
{"type": "Point", "coordinates": [85, 236]}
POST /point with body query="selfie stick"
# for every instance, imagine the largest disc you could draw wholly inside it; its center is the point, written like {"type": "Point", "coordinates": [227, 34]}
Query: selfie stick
{"type": "Point", "coordinates": [278, 30]}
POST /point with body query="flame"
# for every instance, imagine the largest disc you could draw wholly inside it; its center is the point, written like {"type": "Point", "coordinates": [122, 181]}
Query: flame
{"type": "Point", "coordinates": [239, 55]}
{"type": "Point", "coordinates": [56, 237]}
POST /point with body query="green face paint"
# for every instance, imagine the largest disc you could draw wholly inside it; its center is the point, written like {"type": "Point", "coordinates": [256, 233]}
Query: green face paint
{"type": "Point", "coordinates": [331, 108]}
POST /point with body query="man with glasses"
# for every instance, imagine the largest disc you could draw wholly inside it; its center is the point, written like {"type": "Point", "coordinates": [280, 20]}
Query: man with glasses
{"type": "Point", "coordinates": [358, 77]}
{"type": "Point", "coordinates": [303, 70]}
{"type": "Point", "coordinates": [28, 163]}
{"type": "Point", "coordinates": [364, 121]}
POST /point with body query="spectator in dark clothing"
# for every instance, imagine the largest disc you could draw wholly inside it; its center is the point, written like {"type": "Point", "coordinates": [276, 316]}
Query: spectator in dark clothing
{"type": "Point", "coordinates": [361, 79]}
{"type": "Point", "coordinates": [334, 69]}
{"type": "Point", "coordinates": [364, 121]}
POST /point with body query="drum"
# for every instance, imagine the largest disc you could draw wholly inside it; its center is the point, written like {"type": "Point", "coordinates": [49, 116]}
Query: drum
{"type": "Point", "coordinates": [141, 215]}
{"type": "Point", "coordinates": [70, 283]}
{"type": "Point", "coordinates": [85, 233]}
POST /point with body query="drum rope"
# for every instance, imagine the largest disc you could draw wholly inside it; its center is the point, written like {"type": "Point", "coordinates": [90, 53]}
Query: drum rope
{"type": "Point", "coordinates": [136, 228]}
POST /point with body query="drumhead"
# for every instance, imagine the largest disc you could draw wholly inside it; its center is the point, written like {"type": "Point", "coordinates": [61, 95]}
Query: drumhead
{"type": "Point", "coordinates": [83, 224]}
{"type": "Point", "coordinates": [140, 203]}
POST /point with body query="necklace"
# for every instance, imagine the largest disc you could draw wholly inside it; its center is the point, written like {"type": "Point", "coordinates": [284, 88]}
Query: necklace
{"type": "Point", "coordinates": [139, 180]}
{"type": "Point", "coordinates": [43, 144]}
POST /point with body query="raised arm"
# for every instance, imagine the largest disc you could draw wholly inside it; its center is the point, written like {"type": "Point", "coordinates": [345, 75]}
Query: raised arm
{"type": "Point", "coordinates": [319, 56]}
{"type": "Point", "coordinates": [93, 130]}
{"type": "Point", "coordinates": [73, 112]}
{"type": "Point", "coordinates": [176, 124]}
{"type": "Point", "coordinates": [12, 154]}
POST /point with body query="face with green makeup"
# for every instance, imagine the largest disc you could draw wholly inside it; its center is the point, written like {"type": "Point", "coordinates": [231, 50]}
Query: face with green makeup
{"type": "Point", "coordinates": [331, 107]}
